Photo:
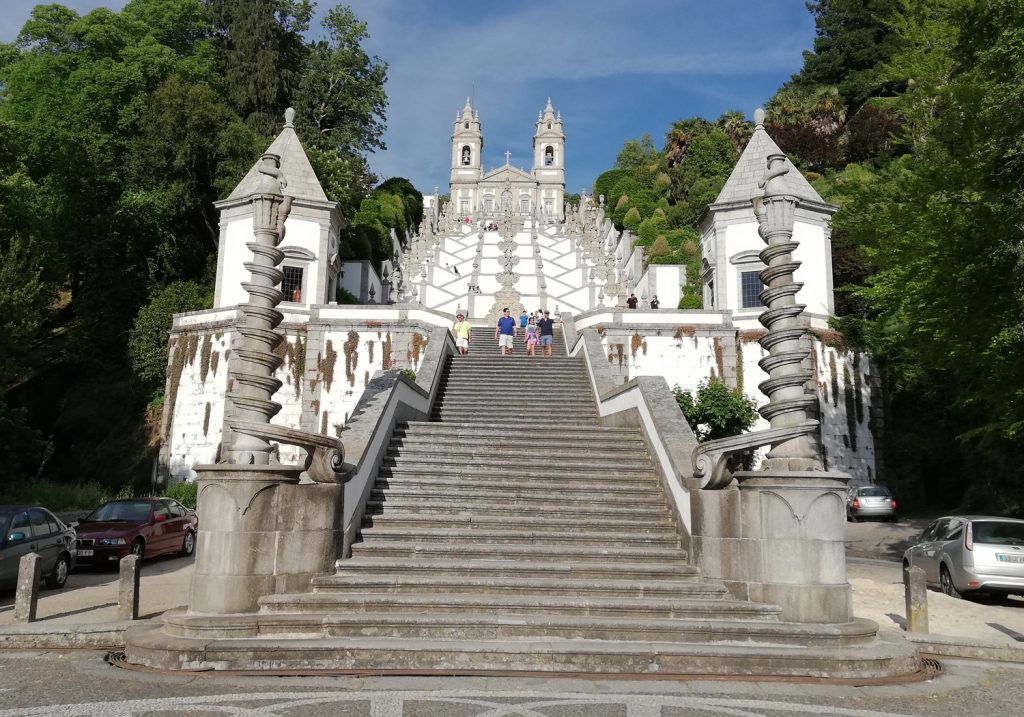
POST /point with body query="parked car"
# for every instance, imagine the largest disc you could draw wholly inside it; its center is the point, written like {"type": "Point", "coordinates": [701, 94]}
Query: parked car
{"type": "Point", "coordinates": [144, 526]}
{"type": "Point", "coordinates": [963, 554]}
{"type": "Point", "coordinates": [870, 501]}
{"type": "Point", "coordinates": [28, 529]}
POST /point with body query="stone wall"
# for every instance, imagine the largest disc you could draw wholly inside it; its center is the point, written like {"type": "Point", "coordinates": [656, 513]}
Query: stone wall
{"type": "Point", "coordinates": [328, 360]}
{"type": "Point", "coordinates": [686, 354]}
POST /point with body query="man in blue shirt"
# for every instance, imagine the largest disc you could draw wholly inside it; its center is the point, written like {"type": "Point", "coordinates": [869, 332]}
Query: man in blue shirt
{"type": "Point", "coordinates": [547, 332]}
{"type": "Point", "coordinates": [505, 332]}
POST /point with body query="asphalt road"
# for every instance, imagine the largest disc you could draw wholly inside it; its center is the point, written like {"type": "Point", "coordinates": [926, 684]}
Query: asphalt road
{"type": "Point", "coordinates": [82, 684]}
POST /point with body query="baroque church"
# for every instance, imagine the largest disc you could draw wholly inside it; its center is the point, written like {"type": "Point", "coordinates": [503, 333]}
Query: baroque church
{"type": "Point", "coordinates": [473, 190]}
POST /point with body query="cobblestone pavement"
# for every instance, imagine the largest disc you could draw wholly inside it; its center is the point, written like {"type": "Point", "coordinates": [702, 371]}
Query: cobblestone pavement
{"type": "Point", "coordinates": [82, 684]}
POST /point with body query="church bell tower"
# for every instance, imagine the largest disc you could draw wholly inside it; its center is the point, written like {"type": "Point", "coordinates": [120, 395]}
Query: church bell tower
{"type": "Point", "coordinates": [549, 163]}
{"type": "Point", "coordinates": [467, 148]}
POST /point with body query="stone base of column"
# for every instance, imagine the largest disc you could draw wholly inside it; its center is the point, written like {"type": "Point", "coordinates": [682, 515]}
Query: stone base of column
{"type": "Point", "coordinates": [777, 537]}
{"type": "Point", "coordinates": [261, 533]}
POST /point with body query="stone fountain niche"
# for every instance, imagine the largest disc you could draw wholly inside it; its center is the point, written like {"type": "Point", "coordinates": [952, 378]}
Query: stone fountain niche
{"type": "Point", "coordinates": [265, 527]}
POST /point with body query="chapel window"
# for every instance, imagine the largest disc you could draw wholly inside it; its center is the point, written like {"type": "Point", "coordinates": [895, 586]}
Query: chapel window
{"type": "Point", "coordinates": [466, 155]}
{"type": "Point", "coordinates": [489, 204]}
{"type": "Point", "coordinates": [549, 125]}
{"type": "Point", "coordinates": [751, 286]}
{"type": "Point", "coordinates": [549, 156]}
{"type": "Point", "coordinates": [291, 284]}
{"type": "Point", "coordinates": [524, 206]}
{"type": "Point", "coordinates": [466, 125]}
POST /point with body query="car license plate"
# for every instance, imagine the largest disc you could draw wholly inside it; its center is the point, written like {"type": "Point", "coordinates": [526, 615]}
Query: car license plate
{"type": "Point", "coordinates": [84, 553]}
{"type": "Point", "coordinates": [1003, 558]}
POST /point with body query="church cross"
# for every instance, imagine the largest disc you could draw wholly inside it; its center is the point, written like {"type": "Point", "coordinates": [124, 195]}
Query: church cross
{"type": "Point", "coordinates": [508, 156]}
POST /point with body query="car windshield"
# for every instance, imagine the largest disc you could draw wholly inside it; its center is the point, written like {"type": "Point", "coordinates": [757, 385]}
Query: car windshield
{"type": "Point", "coordinates": [874, 492]}
{"type": "Point", "coordinates": [5, 516]}
{"type": "Point", "coordinates": [120, 511]}
{"type": "Point", "coordinates": [998, 532]}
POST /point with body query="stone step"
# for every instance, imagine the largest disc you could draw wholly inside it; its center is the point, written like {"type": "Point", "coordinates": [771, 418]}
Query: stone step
{"type": "Point", "coordinates": [608, 482]}
{"type": "Point", "coordinates": [525, 455]}
{"type": "Point", "coordinates": [534, 551]}
{"type": "Point", "coordinates": [472, 521]}
{"type": "Point", "coordinates": [519, 403]}
{"type": "Point", "coordinates": [553, 391]}
{"type": "Point", "coordinates": [495, 567]}
{"type": "Point", "coordinates": [542, 441]}
{"type": "Point", "coordinates": [550, 431]}
{"type": "Point", "coordinates": [350, 602]}
{"type": "Point", "coordinates": [499, 415]}
{"type": "Point", "coordinates": [432, 505]}
{"type": "Point", "coordinates": [524, 497]}
{"type": "Point", "coordinates": [303, 642]}
{"type": "Point", "coordinates": [606, 538]}
{"type": "Point", "coordinates": [447, 584]}
{"type": "Point", "coordinates": [503, 464]}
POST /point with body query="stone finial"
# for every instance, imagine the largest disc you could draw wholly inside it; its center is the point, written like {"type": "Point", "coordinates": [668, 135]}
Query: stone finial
{"type": "Point", "coordinates": [289, 118]}
{"type": "Point", "coordinates": [759, 118]}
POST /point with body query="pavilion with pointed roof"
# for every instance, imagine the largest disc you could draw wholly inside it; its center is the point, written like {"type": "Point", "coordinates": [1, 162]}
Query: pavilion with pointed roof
{"type": "Point", "coordinates": [730, 244]}
{"type": "Point", "coordinates": [311, 265]}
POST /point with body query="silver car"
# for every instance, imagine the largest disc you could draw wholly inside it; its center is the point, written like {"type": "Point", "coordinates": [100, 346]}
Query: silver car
{"type": "Point", "coordinates": [971, 554]}
{"type": "Point", "coordinates": [870, 501]}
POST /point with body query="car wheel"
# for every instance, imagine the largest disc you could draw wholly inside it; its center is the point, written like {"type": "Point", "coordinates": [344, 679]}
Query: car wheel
{"type": "Point", "coordinates": [946, 581]}
{"type": "Point", "coordinates": [59, 576]}
{"type": "Point", "coordinates": [852, 517]}
{"type": "Point", "coordinates": [188, 545]}
{"type": "Point", "coordinates": [139, 548]}
{"type": "Point", "coordinates": [906, 565]}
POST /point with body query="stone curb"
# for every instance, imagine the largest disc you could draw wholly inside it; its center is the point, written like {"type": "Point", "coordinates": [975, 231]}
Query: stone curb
{"type": "Point", "coordinates": [55, 636]}
{"type": "Point", "coordinates": [966, 647]}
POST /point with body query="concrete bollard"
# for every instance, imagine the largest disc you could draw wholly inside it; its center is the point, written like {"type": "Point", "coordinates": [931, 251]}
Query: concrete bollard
{"type": "Point", "coordinates": [916, 592]}
{"type": "Point", "coordinates": [30, 571]}
{"type": "Point", "coordinates": [128, 588]}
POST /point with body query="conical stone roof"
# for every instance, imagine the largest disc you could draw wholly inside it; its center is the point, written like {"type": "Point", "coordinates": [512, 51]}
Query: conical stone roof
{"type": "Point", "coordinates": [302, 180]}
{"type": "Point", "coordinates": [752, 165]}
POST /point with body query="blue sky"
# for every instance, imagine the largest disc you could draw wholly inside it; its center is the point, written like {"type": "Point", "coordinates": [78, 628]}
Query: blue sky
{"type": "Point", "coordinates": [614, 68]}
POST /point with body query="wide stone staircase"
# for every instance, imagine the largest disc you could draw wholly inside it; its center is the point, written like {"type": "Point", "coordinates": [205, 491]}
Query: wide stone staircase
{"type": "Point", "coordinates": [514, 532]}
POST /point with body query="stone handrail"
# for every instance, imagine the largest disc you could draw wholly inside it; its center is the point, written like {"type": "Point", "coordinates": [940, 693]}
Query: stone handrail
{"type": "Point", "coordinates": [389, 398]}
{"type": "Point", "coordinates": [325, 455]}
{"type": "Point", "coordinates": [648, 403]}
{"type": "Point", "coordinates": [713, 461]}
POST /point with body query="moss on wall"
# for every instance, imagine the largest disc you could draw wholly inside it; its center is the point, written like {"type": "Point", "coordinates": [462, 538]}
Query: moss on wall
{"type": "Point", "coordinates": [385, 353]}
{"type": "Point", "coordinates": [178, 350]}
{"type": "Point", "coordinates": [214, 361]}
{"type": "Point", "coordinates": [204, 357]}
{"type": "Point", "coordinates": [858, 388]}
{"type": "Point", "coordinates": [366, 379]}
{"type": "Point", "coordinates": [851, 408]}
{"type": "Point", "coordinates": [418, 344]}
{"type": "Point", "coordinates": [351, 357]}
{"type": "Point", "coordinates": [719, 357]}
{"type": "Point", "coordinates": [326, 364]}
{"type": "Point", "coordinates": [739, 367]}
{"type": "Point", "coordinates": [369, 350]}
{"type": "Point", "coordinates": [682, 331]}
{"type": "Point", "coordinates": [835, 378]}
{"type": "Point", "coordinates": [323, 423]}
{"type": "Point", "coordinates": [206, 418]}
{"type": "Point", "coordinates": [635, 342]}
{"type": "Point", "coordinates": [298, 363]}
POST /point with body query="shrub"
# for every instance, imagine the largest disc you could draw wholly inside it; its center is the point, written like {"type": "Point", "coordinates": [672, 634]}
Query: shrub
{"type": "Point", "coordinates": [54, 496]}
{"type": "Point", "coordinates": [185, 493]}
{"type": "Point", "coordinates": [716, 411]}
{"type": "Point", "coordinates": [660, 248]}
{"type": "Point", "coordinates": [632, 219]}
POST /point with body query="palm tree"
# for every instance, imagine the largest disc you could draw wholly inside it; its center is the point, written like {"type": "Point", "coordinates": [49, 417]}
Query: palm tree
{"type": "Point", "coordinates": [734, 123]}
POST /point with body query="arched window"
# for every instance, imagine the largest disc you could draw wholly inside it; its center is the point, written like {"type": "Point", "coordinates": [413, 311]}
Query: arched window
{"type": "Point", "coordinates": [549, 125]}
{"type": "Point", "coordinates": [466, 125]}
{"type": "Point", "coordinates": [549, 156]}
{"type": "Point", "coordinates": [466, 156]}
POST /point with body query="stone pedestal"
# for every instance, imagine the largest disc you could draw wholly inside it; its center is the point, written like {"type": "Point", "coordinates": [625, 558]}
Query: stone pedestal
{"type": "Point", "coordinates": [261, 533]}
{"type": "Point", "coordinates": [777, 537]}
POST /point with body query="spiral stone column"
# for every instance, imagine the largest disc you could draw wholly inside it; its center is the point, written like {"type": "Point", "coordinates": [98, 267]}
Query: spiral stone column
{"type": "Point", "coordinates": [775, 535]}
{"type": "Point", "coordinates": [262, 532]}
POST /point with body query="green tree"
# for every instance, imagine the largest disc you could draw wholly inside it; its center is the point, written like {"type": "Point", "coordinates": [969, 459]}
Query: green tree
{"type": "Point", "coordinates": [341, 94]}
{"type": "Point", "coordinates": [147, 343]}
{"type": "Point", "coordinates": [637, 154]}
